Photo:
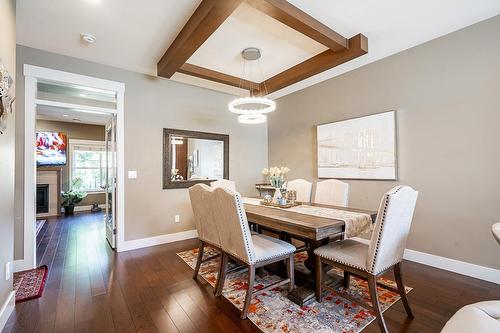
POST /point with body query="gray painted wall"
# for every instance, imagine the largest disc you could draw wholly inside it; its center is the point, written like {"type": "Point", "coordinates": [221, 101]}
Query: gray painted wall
{"type": "Point", "coordinates": [152, 104]}
{"type": "Point", "coordinates": [447, 93]}
{"type": "Point", "coordinates": [8, 57]}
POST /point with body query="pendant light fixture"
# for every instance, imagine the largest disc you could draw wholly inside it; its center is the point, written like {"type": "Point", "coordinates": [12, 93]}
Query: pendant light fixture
{"type": "Point", "coordinates": [252, 109]}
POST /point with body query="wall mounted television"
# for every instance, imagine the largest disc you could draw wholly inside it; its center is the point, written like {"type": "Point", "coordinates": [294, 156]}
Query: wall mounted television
{"type": "Point", "coordinates": [50, 149]}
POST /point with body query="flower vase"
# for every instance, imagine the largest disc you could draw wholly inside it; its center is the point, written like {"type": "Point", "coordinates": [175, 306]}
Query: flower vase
{"type": "Point", "coordinates": [277, 195]}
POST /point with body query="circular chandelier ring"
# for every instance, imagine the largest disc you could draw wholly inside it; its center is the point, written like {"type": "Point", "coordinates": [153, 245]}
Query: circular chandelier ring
{"type": "Point", "coordinates": [267, 105]}
{"type": "Point", "coordinates": [252, 118]}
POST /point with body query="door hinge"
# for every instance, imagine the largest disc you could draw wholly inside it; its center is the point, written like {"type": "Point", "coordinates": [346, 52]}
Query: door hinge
{"type": "Point", "coordinates": [114, 231]}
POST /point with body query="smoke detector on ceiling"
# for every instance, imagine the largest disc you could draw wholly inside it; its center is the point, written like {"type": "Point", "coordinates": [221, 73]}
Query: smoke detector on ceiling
{"type": "Point", "coordinates": [88, 38]}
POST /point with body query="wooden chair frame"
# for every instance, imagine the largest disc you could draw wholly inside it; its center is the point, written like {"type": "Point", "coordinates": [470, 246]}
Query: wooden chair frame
{"type": "Point", "coordinates": [372, 286]}
{"type": "Point", "coordinates": [251, 277]}
{"type": "Point", "coordinates": [200, 260]}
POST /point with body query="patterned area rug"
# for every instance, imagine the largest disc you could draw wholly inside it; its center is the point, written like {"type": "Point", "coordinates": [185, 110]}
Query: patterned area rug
{"type": "Point", "coordinates": [29, 284]}
{"type": "Point", "coordinates": [274, 312]}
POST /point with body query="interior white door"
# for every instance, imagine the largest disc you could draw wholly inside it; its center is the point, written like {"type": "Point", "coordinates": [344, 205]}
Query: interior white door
{"type": "Point", "coordinates": [110, 186]}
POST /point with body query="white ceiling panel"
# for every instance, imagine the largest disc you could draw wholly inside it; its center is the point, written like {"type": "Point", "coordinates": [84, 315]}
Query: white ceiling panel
{"type": "Point", "coordinates": [130, 34]}
{"type": "Point", "coordinates": [45, 112]}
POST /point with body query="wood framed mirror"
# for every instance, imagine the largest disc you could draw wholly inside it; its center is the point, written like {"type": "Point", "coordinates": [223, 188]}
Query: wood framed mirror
{"type": "Point", "coordinates": [191, 157]}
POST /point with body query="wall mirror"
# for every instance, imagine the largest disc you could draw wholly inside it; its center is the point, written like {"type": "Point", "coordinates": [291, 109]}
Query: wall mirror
{"type": "Point", "coordinates": [191, 157]}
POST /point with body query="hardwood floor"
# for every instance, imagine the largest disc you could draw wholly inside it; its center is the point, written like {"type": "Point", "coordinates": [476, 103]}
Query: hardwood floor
{"type": "Point", "coordinates": [93, 289]}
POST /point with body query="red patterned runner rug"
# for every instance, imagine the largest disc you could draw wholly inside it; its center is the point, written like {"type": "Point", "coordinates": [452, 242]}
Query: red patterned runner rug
{"type": "Point", "coordinates": [29, 284]}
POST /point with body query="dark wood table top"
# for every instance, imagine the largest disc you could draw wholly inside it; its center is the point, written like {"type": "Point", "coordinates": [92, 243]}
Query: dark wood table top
{"type": "Point", "coordinates": [303, 225]}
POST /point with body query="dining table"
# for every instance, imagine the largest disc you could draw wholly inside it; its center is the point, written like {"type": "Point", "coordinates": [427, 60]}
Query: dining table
{"type": "Point", "coordinates": [313, 224]}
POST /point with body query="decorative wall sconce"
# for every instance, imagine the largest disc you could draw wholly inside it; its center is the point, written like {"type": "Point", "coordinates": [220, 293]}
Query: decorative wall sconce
{"type": "Point", "coordinates": [6, 100]}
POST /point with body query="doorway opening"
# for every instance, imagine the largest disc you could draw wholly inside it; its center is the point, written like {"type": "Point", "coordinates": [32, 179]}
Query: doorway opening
{"type": "Point", "coordinates": [74, 139]}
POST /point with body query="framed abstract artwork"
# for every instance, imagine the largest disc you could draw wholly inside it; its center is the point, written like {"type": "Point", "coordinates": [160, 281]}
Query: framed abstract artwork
{"type": "Point", "coordinates": [359, 148]}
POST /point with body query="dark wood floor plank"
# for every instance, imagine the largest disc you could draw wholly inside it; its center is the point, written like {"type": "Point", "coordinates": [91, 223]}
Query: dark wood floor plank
{"type": "Point", "coordinates": [90, 288]}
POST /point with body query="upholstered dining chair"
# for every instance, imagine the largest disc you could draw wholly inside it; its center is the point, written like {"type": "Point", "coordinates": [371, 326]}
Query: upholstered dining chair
{"type": "Point", "coordinates": [302, 187]}
{"type": "Point", "coordinates": [383, 252]}
{"type": "Point", "coordinates": [495, 230]}
{"type": "Point", "coordinates": [251, 250]}
{"type": "Point", "coordinates": [224, 183]}
{"type": "Point", "coordinates": [332, 192]}
{"type": "Point", "coordinates": [202, 200]}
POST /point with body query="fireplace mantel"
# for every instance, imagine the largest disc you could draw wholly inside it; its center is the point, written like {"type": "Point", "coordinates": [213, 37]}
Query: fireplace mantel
{"type": "Point", "coordinates": [53, 177]}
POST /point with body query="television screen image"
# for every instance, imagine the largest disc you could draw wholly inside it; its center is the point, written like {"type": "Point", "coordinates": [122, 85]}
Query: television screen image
{"type": "Point", "coordinates": [50, 148]}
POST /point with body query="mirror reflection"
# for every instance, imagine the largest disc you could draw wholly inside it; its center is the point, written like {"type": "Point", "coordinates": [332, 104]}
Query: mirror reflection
{"type": "Point", "coordinates": [196, 159]}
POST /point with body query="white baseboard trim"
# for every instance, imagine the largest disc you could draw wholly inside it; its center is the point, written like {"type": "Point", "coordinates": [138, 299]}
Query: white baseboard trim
{"type": "Point", "coordinates": [157, 240]}
{"type": "Point", "coordinates": [7, 308]}
{"type": "Point", "coordinates": [456, 266]}
{"type": "Point", "coordinates": [85, 208]}
{"type": "Point", "coordinates": [21, 265]}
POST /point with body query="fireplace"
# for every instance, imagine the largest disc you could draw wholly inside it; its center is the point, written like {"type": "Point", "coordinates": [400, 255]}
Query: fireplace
{"type": "Point", "coordinates": [42, 198]}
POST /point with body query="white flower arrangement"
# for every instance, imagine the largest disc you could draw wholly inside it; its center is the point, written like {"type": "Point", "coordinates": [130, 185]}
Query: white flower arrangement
{"type": "Point", "coordinates": [276, 175]}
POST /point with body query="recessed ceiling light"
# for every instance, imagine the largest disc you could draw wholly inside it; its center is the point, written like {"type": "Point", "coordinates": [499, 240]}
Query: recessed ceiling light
{"type": "Point", "coordinates": [77, 120]}
{"type": "Point", "coordinates": [87, 37]}
{"type": "Point", "coordinates": [65, 115]}
{"type": "Point", "coordinates": [83, 95]}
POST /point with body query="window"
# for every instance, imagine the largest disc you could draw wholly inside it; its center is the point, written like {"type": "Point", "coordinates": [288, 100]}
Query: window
{"type": "Point", "coordinates": [88, 162]}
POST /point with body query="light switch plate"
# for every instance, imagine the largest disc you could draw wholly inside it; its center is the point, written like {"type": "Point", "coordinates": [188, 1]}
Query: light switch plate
{"type": "Point", "coordinates": [132, 174]}
{"type": "Point", "coordinates": [177, 219]}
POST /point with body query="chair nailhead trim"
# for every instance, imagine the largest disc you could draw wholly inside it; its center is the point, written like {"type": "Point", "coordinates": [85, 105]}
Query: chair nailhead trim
{"type": "Point", "coordinates": [242, 220]}
{"type": "Point", "coordinates": [341, 262]}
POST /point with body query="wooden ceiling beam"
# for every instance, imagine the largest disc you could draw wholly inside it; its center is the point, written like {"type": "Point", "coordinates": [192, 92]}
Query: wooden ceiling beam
{"type": "Point", "coordinates": [209, 15]}
{"type": "Point", "coordinates": [288, 14]}
{"type": "Point", "coordinates": [219, 77]}
{"type": "Point", "coordinates": [358, 46]}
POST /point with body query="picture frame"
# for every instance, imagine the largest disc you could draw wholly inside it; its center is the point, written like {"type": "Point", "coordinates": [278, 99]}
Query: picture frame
{"type": "Point", "coordinates": [362, 148]}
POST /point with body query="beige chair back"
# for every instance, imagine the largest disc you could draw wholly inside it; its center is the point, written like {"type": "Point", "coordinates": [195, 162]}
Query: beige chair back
{"type": "Point", "coordinates": [302, 187]}
{"type": "Point", "coordinates": [495, 229]}
{"type": "Point", "coordinates": [224, 183]}
{"type": "Point", "coordinates": [202, 199]}
{"type": "Point", "coordinates": [234, 231]}
{"type": "Point", "coordinates": [393, 223]}
{"type": "Point", "coordinates": [332, 192]}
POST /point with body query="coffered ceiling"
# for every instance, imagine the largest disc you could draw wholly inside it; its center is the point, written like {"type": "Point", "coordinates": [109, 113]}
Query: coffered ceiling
{"type": "Point", "coordinates": [134, 35]}
{"type": "Point", "coordinates": [282, 47]}
{"type": "Point", "coordinates": [210, 16]}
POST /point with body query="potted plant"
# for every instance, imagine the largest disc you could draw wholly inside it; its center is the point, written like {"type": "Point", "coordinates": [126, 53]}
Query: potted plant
{"type": "Point", "coordinates": [73, 196]}
{"type": "Point", "coordinates": [276, 177]}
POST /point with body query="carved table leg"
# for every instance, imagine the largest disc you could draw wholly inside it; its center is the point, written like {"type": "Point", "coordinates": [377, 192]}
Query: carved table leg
{"type": "Point", "coordinates": [305, 293]}
{"type": "Point", "coordinates": [311, 260]}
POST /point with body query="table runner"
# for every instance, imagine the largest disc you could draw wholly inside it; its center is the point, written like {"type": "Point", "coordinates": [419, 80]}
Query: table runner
{"type": "Point", "coordinates": [355, 223]}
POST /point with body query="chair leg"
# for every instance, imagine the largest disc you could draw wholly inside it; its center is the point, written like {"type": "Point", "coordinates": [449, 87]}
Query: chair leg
{"type": "Point", "coordinates": [248, 297]}
{"type": "Point", "coordinates": [201, 246]}
{"type": "Point", "coordinates": [222, 274]}
{"type": "Point", "coordinates": [347, 279]}
{"type": "Point", "coordinates": [291, 272]}
{"type": "Point", "coordinates": [372, 285]}
{"type": "Point", "coordinates": [319, 280]}
{"type": "Point", "coordinates": [401, 288]}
